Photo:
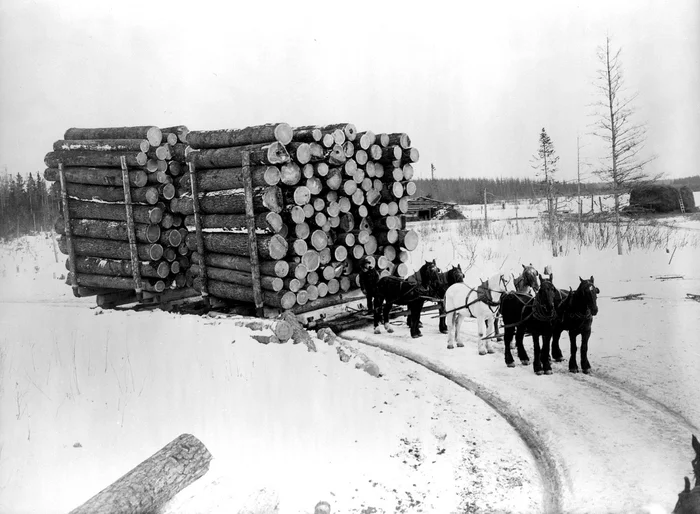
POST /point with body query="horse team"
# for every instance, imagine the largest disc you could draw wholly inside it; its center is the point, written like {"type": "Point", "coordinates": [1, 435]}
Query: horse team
{"type": "Point", "coordinates": [527, 304]}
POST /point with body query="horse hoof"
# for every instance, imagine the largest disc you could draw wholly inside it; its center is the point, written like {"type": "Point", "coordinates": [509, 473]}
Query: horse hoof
{"type": "Point", "coordinates": [491, 350]}
{"type": "Point", "coordinates": [420, 324]}
{"type": "Point", "coordinates": [548, 372]}
{"type": "Point", "coordinates": [538, 373]}
{"type": "Point", "coordinates": [416, 336]}
{"type": "Point", "coordinates": [525, 363]}
{"type": "Point", "coordinates": [511, 364]}
{"type": "Point", "coordinates": [482, 352]}
{"type": "Point", "coordinates": [443, 331]}
{"type": "Point", "coordinates": [587, 371]}
{"type": "Point", "coordinates": [450, 347]}
{"type": "Point", "coordinates": [574, 370]}
{"type": "Point", "coordinates": [390, 330]}
{"type": "Point", "coordinates": [460, 345]}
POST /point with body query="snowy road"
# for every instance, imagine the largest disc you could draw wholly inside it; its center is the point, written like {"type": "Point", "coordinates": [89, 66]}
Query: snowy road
{"type": "Point", "coordinates": [616, 440]}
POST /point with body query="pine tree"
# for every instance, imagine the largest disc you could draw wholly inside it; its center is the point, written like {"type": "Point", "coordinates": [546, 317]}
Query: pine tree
{"type": "Point", "coordinates": [545, 161]}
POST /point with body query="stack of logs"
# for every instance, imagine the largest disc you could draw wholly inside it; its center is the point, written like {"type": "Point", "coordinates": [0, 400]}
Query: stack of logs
{"type": "Point", "coordinates": [318, 199]}
{"type": "Point", "coordinates": [103, 212]}
{"type": "Point", "coordinates": [323, 198]}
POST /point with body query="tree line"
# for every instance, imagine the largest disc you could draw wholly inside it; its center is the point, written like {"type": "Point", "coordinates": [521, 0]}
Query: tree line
{"type": "Point", "coordinates": [471, 190]}
{"type": "Point", "coordinates": [27, 204]}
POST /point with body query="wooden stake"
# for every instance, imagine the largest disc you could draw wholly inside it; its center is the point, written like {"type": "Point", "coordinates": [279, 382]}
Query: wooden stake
{"type": "Point", "coordinates": [252, 239]}
{"type": "Point", "coordinates": [203, 289]}
{"type": "Point", "coordinates": [135, 265]}
{"type": "Point", "coordinates": [69, 233]}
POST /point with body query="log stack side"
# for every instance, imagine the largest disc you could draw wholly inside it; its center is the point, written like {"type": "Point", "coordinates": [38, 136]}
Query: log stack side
{"type": "Point", "coordinates": [97, 207]}
{"type": "Point", "coordinates": [323, 198]}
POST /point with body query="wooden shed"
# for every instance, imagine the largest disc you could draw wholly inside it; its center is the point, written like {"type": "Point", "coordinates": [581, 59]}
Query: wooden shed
{"type": "Point", "coordinates": [424, 208]}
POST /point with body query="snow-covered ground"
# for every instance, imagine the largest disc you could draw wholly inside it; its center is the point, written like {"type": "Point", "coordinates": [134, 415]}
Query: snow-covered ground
{"type": "Point", "coordinates": [87, 394]}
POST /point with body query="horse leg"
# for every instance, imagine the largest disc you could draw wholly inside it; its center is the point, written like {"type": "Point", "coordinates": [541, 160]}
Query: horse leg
{"type": "Point", "coordinates": [585, 365]}
{"type": "Point", "coordinates": [556, 350]}
{"type": "Point", "coordinates": [536, 361]}
{"type": "Point", "coordinates": [508, 333]}
{"type": "Point", "coordinates": [573, 366]}
{"type": "Point", "coordinates": [443, 322]}
{"type": "Point", "coordinates": [544, 356]}
{"type": "Point", "coordinates": [416, 307]}
{"type": "Point", "coordinates": [491, 319]}
{"type": "Point", "coordinates": [522, 353]}
{"type": "Point", "coordinates": [387, 308]}
{"type": "Point", "coordinates": [450, 321]}
{"type": "Point", "coordinates": [378, 300]}
{"type": "Point", "coordinates": [480, 330]}
{"type": "Point", "coordinates": [496, 330]}
{"type": "Point", "coordinates": [459, 320]}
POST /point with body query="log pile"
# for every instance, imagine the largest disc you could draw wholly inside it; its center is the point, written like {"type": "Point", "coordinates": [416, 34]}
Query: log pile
{"type": "Point", "coordinates": [122, 236]}
{"type": "Point", "coordinates": [312, 201]}
{"type": "Point", "coordinates": [323, 199]}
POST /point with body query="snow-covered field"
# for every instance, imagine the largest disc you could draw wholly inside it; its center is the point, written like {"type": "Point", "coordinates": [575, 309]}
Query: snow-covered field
{"type": "Point", "coordinates": [87, 394]}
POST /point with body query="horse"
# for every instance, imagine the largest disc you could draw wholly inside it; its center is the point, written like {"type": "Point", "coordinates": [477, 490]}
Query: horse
{"type": "Point", "coordinates": [481, 303]}
{"type": "Point", "coordinates": [536, 315]}
{"type": "Point", "coordinates": [444, 281]}
{"type": "Point", "coordinates": [576, 316]}
{"type": "Point", "coordinates": [527, 282]}
{"type": "Point", "coordinates": [689, 499]}
{"type": "Point", "coordinates": [394, 290]}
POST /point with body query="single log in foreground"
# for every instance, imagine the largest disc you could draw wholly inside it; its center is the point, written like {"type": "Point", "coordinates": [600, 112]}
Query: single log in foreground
{"type": "Point", "coordinates": [231, 178]}
{"type": "Point", "coordinates": [118, 267]}
{"type": "Point", "coordinates": [270, 221]}
{"type": "Point", "coordinates": [154, 482]}
{"type": "Point", "coordinates": [231, 202]}
{"type": "Point", "coordinates": [112, 282]}
{"type": "Point", "coordinates": [103, 229]}
{"type": "Point", "coordinates": [270, 247]}
{"type": "Point", "coordinates": [97, 176]}
{"type": "Point", "coordinates": [282, 299]}
{"type": "Point", "coordinates": [272, 153]}
{"type": "Point", "coordinates": [236, 262]}
{"type": "Point", "coordinates": [94, 158]}
{"type": "Point", "coordinates": [151, 133]}
{"type": "Point", "coordinates": [267, 133]}
{"type": "Point", "coordinates": [110, 249]}
{"type": "Point", "coordinates": [116, 212]}
{"type": "Point", "coordinates": [147, 195]}
{"type": "Point", "coordinates": [104, 145]}
{"type": "Point", "coordinates": [239, 277]}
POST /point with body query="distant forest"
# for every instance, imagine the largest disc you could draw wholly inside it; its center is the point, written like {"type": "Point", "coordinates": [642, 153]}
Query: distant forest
{"type": "Point", "coordinates": [471, 190]}
{"type": "Point", "coordinates": [27, 204]}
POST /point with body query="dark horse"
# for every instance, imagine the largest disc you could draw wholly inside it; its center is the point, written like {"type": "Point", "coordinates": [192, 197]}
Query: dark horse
{"type": "Point", "coordinates": [390, 291]}
{"type": "Point", "coordinates": [535, 315]}
{"type": "Point", "coordinates": [689, 499]}
{"type": "Point", "coordinates": [438, 289]}
{"type": "Point", "coordinates": [576, 316]}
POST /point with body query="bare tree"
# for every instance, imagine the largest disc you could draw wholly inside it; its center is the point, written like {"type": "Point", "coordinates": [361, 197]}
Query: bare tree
{"type": "Point", "coordinates": [545, 161]}
{"type": "Point", "coordinates": [623, 167]}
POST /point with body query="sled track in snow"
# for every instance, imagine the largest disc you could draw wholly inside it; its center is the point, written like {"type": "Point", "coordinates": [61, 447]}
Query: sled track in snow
{"type": "Point", "coordinates": [620, 390]}
{"type": "Point", "coordinates": [545, 460]}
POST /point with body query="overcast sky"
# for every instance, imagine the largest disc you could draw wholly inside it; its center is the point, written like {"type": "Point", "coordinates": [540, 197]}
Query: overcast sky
{"type": "Point", "coordinates": [473, 86]}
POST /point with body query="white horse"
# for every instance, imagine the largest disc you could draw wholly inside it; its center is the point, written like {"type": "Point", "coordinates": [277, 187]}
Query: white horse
{"type": "Point", "coordinates": [481, 303]}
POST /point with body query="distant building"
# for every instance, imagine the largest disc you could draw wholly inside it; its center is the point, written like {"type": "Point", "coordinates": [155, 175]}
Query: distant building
{"type": "Point", "coordinates": [424, 208]}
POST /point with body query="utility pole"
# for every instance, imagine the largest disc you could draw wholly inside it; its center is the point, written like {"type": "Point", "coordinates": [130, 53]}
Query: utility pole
{"type": "Point", "coordinates": [486, 210]}
{"type": "Point", "coordinates": [578, 189]}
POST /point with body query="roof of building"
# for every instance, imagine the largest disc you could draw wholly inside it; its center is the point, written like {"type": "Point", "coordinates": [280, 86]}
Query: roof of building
{"type": "Point", "coordinates": [423, 202]}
